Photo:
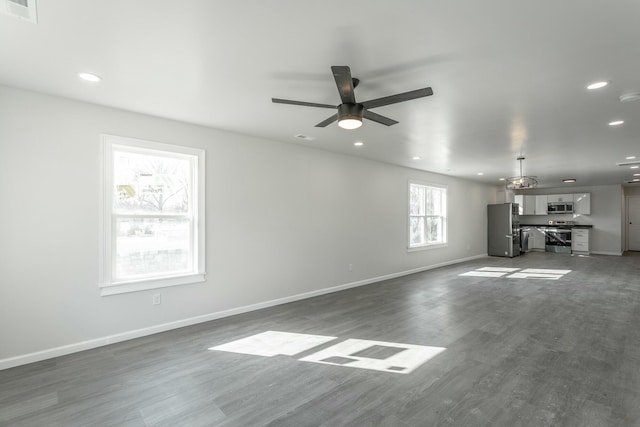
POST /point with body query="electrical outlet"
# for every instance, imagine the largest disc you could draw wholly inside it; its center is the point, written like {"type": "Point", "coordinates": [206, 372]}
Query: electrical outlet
{"type": "Point", "coordinates": [157, 299]}
{"type": "Point", "coordinates": [350, 267]}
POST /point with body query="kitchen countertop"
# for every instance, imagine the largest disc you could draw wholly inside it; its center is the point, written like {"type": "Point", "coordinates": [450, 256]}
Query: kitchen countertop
{"type": "Point", "coordinates": [556, 226]}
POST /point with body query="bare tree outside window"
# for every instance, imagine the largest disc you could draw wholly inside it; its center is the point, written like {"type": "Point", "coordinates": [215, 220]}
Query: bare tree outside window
{"type": "Point", "coordinates": [151, 184]}
{"type": "Point", "coordinates": [427, 215]}
{"type": "Point", "coordinates": [151, 192]}
{"type": "Point", "coordinates": [153, 218]}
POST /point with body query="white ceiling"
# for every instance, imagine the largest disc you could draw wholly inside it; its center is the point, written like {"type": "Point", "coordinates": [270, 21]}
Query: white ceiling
{"type": "Point", "coordinates": [508, 77]}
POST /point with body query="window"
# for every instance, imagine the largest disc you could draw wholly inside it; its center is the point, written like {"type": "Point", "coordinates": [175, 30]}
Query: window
{"type": "Point", "coordinates": [153, 215]}
{"type": "Point", "coordinates": [427, 215]}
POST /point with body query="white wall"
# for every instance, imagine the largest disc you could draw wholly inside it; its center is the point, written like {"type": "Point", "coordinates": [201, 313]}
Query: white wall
{"type": "Point", "coordinates": [606, 216]}
{"type": "Point", "coordinates": [282, 220]}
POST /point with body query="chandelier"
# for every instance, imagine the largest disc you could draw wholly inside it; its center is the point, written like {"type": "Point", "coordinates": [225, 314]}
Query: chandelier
{"type": "Point", "coordinates": [521, 182]}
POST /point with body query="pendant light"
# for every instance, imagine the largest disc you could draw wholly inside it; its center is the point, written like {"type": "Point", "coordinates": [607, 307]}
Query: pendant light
{"type": "Point", "coordinates": [521, 182]}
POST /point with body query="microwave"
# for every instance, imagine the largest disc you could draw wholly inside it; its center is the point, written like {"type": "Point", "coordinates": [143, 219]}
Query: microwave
{"type": "Point", "coordinates": [560, 207]}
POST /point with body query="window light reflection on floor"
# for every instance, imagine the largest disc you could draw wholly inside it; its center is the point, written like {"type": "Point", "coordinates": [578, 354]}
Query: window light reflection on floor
{"type": "Point", "coordinates": [356, 353]}
{"type": "Point", "coordinates": [513, 273]}
{"type": "Point", "coordinates": [274, 343]}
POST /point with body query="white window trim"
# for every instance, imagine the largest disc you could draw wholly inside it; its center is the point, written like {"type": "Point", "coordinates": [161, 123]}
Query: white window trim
{"type": "Point", "coordinates": [426, 246]}
{"type": "Point", "coordinates": [106, 284]}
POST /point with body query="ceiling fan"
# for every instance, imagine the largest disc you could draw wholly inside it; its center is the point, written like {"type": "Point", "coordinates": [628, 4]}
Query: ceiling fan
{"type": "Point", "coordinates": [350, 113]}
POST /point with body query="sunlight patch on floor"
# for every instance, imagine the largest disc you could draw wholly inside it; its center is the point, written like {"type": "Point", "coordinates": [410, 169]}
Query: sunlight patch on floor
{"type": "Point", "coordinates": [375, 355]}
{"type": "Point", "coordinates": [527, 273]}
{"type": "Point", "coordinates": [382, 356]}
{"type": "Point", "coordinates": [504, 269]}
{"type": "Point", "coordinates": [483, 274]}
{"type": "Point", "coordinates": [273, 343]}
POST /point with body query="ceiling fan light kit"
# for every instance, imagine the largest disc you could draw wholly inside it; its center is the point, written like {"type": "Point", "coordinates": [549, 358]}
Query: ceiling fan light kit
{"type": "Point", "coordinates": [350, 113]}
{"type": "Point", "coordinates": [521, 182]}
{"type": "Point", "coordinates": [350, 116]}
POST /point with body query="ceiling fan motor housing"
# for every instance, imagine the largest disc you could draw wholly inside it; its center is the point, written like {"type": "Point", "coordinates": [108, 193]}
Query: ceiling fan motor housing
{"type": "Point", "coordinates": [350, 111]}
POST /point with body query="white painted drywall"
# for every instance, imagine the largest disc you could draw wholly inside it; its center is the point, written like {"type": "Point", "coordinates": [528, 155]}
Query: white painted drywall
{"type": "Point", "coordinates": [606, 216]}
{"type": "Point", "coordinates": [282, 220]}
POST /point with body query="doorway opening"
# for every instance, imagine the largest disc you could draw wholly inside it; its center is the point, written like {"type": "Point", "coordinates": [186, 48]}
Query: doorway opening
{"type": "Point", "coordinates": [633, 223]}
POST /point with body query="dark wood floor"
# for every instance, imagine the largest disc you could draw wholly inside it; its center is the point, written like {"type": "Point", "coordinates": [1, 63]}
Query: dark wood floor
{"type": "Point", "coordinates": [519, 352]}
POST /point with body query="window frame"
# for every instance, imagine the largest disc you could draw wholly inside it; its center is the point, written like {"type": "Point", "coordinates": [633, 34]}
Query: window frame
{"type": "Point", "coordinates": [445, 223]}
{"type": "Point", "coordinates": [108, 284]}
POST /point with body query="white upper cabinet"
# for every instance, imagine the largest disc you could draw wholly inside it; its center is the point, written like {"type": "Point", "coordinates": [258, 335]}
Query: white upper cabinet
{"type": "Point", "coordinates": [582, 203]}
{"type": "Point", "coordinates": [555, 198]}
{"type": "Point", "coordinates": [541, 204]}
{"type": "Point", "coordinates": [537, 205]}
{"type": "Point", "coordinates": [519, 199]}
{"type": "Point", "coordinates": [532, 205]}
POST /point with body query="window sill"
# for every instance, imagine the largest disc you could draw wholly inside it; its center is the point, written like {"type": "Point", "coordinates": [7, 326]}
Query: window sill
{"type": "Point", "coordinates": [427, 247]}
{"type": "Point", "coordinates": [144, 285]}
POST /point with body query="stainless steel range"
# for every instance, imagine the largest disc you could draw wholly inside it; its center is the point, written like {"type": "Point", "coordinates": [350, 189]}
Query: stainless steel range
{"type": "Point", "coordinates": [558, 237]}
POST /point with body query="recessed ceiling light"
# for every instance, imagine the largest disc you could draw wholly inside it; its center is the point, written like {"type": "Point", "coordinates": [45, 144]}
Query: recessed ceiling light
{"type": "Point", "coordinates": [358, 143]}
{"type": "Point", "coordinates": [502, 179]}
{"type": "Point", "coordinates": [597, 85]}
{"type": "Point", "coordinates": [616, 122]}
{"type": "Point", "coordinates": [416, 157]}
{"type": "Point", "coordinates": [480, 173]}
{"type": "Point", "coordinates": [630, 97]}
{"type": "Point", "coordinates": [89, 77]}
{"type": "Point", "coordinates": [636, 174]}
{"type": "Point", "coordinates": [569, 180]}
{"type": "Point", "coordinates": [630, 157]}
{"type": "Point", "coordinates": [634, 167]}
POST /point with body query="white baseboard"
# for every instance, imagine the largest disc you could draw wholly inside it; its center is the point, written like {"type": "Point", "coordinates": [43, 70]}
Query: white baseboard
{"type": "Point", "coordinates": [606, 253]}
{"type": "Point", "coordinates": [137, 333]}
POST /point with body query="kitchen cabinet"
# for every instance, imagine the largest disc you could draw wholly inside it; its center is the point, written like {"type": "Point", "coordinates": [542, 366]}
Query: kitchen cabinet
{"type": "Point", "coordinates": [536, 238]}
{"type": "Point", "coordinates": [532, 205]}
{"type": "Point", "coordinates": [580, 241]}
{"type": "Point", "coordinates": [519, 199]}
{"type": "Point", "coordinates": [582, 203]}
{"type": "Point", "coordinates": [538, 234]}
{"type": "Point", "coordinates": [541, 204]}
{"type": "Point", "coordinates": [529, 205]}
{"type": "Point", "coordinates": [556, 198]}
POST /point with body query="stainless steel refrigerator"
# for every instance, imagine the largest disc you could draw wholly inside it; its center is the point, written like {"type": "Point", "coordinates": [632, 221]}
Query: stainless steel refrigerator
{"type": "Point", "coordinates": [503, 230]}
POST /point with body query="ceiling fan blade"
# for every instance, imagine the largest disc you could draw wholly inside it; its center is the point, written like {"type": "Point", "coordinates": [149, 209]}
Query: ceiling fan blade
{"type": "Point", "coordinates": [328, 121]}
{"type": "Point", "coordinates": [378, 118]}
{"type": "Point", "coordinates": [304, 104]}
{"type": "Point", "coordinates": [344, 81]}
{"type": "Point", "coordinates": [401, 97]}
